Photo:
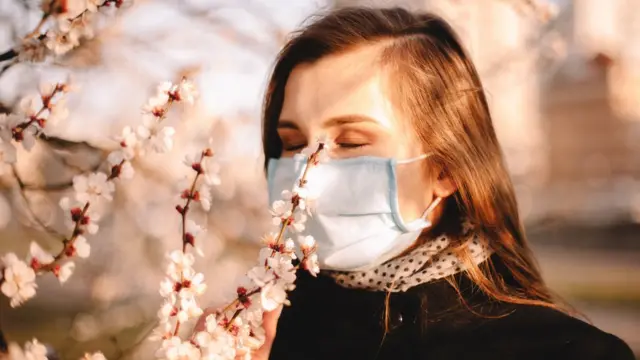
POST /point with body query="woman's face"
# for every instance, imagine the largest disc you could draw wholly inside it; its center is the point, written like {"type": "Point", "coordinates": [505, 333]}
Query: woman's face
{"type": "Point", "coordinates": [343, 97]}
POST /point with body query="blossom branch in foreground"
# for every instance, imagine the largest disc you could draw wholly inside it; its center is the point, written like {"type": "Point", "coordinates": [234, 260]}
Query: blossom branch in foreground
{"type": "Point", "coordinates": [236, 329]}
{"type": "Point", "coordinates": [65, 32]}
{"type": "Point", "coordinates": [34, 350]}
{"type": "Point", "coordinates": [183, 284]}
{"type": "Point", "coordinates": [17, 277]}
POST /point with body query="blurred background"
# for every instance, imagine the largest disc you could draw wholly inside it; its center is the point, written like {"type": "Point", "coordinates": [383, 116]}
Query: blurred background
{"type": "Point", "coordinates": [564, 92]}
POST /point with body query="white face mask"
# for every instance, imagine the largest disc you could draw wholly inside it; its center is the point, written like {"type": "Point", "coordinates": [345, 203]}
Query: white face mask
{"type": "Point", "coordinates": [356, 219]}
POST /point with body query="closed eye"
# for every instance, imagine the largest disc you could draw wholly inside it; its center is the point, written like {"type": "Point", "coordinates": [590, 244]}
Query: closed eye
{"type": "Point", "coordinates": [350, 145]}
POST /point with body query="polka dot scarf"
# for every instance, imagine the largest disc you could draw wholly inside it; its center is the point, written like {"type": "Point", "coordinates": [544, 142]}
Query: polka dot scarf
{"type": "Point", "coordinates": [430, 261]}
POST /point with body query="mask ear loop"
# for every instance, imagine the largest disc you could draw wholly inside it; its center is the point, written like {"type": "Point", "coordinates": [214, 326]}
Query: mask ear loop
{"type": "Point", "coordinates": [420, 157]}
{"type": "Point", "coordinates": [430, 208]}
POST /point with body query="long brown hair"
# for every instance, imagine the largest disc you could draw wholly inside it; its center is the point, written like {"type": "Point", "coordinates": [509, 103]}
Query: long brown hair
{"type": "Point", "coordinates": [435, 86]}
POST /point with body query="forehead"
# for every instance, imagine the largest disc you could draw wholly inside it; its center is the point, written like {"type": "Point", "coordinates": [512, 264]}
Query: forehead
{"type": "Point", "coordinates": [346, 84]}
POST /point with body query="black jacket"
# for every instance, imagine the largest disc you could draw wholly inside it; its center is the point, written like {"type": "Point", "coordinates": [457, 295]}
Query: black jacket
{"type": "Point", "coordinates": [326, 321]}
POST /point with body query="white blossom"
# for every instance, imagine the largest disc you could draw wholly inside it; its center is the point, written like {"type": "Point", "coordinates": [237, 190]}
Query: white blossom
{"type": "Point", "coordinates": [66, 271]}
{"type": "Point", "coordinates": [192, 230]}
{"type": "Point", "coordinates": [310, 263]}
{"type": "Point", "coordinates": [196, 286]}
{"type": "Point", "coordinates": [307, 242]}
{"type": "Point", "coordinates": [301, 194]}
{"type": "Point", "coordinates": [269, 239]}
{"type": "Point", "coordinates": [95, 356]}
{"type": "Point", "coordinates": [298, 222]}
{"type": "Point", "coordinates": [18, 280]}
{"type": "Point", "coordinates": [156, 105]}
{"type": "Point", "coordinates": [116, 157]}
{"type": "Point", "coordinates": [33, 350]}
{"type": "Point", "coordinates": [91, 225]}
{"type": "Point", "coordinates": [217, 343]}
{"type": "Point", "coordinates": [202, 338]}
{"type": "Point", "coordinates": [162, 331]}
{"type": "Point", "coordinates": [289, 248]}
{"type": "Point", "coordinates": [175, 348]}
{"type": "Point", "coordinates": [162, 141]}
{"type": "Point", "coordinates": [82, 247]}
{"type": "Point", "coordinates": [205, 197]}
{"type": "Point", "coordinates": [69, 205]}
{"type": "Point", "coordinates": [28, 140]}
{"type": "Point", "coordinates": [280, 208]}
{"type": "Point", "coordinates": [38, 255]}
{"type": "Point", "coordinates": [189, 309]}
{"type": "Point", "coordinates": [178, 264]}
{"type": "Point", "coordinates": [126, 171]}
{"type": "Point", "coordinates": [272, 295]}
{"type": "Point", "coordinates": [191, 160]}
{"type": "Point", "coordinates": [187, 91]}
{"type": "Point", "coordinates": [128, 141]}
{"type": "Point", "coordinates": [260, 275]}
{"type": "Point", "coordinates": [60, 43]}
{"type": "Point", "coordinates": [119, 158]}
{"type": "Point", "coordinates": [322, 156]}
{"type": "Point", "coordinates": [168, 307]}
{"type": "Point", "coordinates": [159, 139]}
{"type": "Point", "coordinates": [58, 112]}
{"type": "Point", "coordinates": [282, 267]}
{"type": "Point", "coordinates": [211, 171]}
{"type": "Point", "coordinates": [92, 188]}
{"type": "Point", "coordinates": [167, 286]}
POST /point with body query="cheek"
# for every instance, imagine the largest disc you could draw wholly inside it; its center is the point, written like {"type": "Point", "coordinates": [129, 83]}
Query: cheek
{"type": "Point", "coordinates": [415, 190]}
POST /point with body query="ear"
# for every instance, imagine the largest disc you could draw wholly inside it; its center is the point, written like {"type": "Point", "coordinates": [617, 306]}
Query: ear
{"type": "Point", "coordinates": [443, 185]}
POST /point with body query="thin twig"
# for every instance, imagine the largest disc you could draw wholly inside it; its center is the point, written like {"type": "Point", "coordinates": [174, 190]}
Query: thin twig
{"type": "Point", "coordinates": [183, 213]}
{"type": "Point", "coordinates": [32, 214]}
{"type": "Point", "coordinates": [311, 161]}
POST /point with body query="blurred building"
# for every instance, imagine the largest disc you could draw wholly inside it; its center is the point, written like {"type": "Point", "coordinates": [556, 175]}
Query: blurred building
{"type": "Point", "coordinates": [591, 115]}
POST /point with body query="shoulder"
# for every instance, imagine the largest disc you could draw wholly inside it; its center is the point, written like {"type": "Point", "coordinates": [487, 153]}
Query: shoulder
{"type": "Point", "coordinates": [554, 334]}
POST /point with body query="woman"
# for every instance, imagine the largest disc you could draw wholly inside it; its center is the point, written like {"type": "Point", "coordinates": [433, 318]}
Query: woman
{"type": "Point", "coordinates": [419, 239]}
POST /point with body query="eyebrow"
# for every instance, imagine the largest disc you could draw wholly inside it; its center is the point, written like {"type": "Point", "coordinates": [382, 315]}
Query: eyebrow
{"type": "Point", "coordinates": [332, 122]}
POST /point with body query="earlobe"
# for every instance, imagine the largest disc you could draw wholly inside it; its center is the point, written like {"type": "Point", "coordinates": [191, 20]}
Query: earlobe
{"type": "Point", "coordinates": [444, 186]}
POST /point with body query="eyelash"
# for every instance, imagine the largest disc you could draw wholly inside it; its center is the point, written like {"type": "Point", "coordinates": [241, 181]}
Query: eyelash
{"type": "Point", "coordinates": [350, 146]}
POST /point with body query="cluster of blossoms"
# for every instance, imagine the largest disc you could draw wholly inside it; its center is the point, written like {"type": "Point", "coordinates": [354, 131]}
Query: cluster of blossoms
{"type": "Point", "coordinates": [28, 122]}
{"type": "Point", "coordinates": [68, 21]}
{"type": "Point", "coordinates": [91, 191]}
{"type": "Point", "coordinates": [183, 284]}
{"type": "Point", "coordinates": [236, 330]}
{"type": "Point", "coordinates": [151, 135]}
{"type": "Point", "coordinates": [17, 277]}
{"type": "Point", "coordinates": [34, 350]}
